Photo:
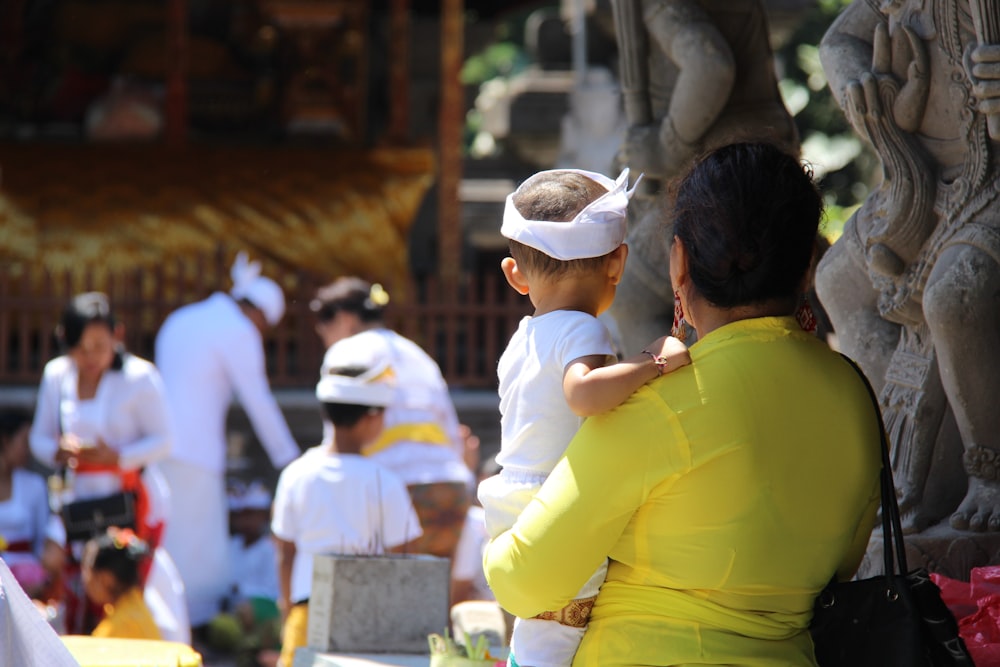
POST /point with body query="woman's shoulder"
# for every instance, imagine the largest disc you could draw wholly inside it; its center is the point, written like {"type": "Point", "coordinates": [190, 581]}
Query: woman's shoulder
{"type": "Point", "coordinates": [137, 369]}
{"type": "Point", "coordinates": [57, 366]}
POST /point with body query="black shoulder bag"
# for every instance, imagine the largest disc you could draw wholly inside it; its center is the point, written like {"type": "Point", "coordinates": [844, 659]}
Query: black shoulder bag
{"type": "Point", "coordinates": [894, 620]}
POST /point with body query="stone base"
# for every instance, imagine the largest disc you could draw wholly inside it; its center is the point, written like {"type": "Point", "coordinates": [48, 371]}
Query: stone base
{"type": "Point", "coordinates": [308, 657]}
{"type": "Point", "coordinates": [377, 604]}
{"type": "Point", "coordinates": [941, 549]}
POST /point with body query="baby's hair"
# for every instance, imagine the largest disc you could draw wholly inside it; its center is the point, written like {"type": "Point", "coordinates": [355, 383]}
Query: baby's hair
{"type": "Point", "coordinates": [346, 414]}
{"type": "Point", "coordinates": [556, 196]}
{"type": "Point", "coordinates": [120, 552]}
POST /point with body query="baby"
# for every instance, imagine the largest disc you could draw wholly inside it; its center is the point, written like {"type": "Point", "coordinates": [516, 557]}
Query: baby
{"type": "Point", "coordinates": [567, 230]}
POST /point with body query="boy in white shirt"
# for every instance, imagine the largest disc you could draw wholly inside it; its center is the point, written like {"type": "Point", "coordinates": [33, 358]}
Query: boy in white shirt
{"type": "Point", "coordinates": [334, 500]}
{"type": "Point", "coordinates": [567, 230]}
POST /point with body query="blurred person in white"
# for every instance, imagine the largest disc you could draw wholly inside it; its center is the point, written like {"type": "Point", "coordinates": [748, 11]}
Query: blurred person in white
{"type": "Point", "coordinates": [208, 352]}
{"type": "Point", "coordinates": [102, 413]}
{"type": "Point", "coordinates": [334, 500]}
{"type": "Point", "coordinates": [421, 441]}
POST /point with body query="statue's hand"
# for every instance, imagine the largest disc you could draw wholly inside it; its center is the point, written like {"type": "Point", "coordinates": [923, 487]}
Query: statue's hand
{"type": "Point", "coordinates": [642, 150]}
{"type": "Point", "coordinates": [880, 94]}
{"type": "Point", "coordinates": [985, 74]}
{"type": "Point", "coordinates": [911, 101]}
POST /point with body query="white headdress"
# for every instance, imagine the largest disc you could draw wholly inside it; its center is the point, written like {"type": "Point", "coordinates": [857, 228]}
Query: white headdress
{"type": "Point", "coordinates": [595, 231]}
{"type": "Point", "coordinates": [374, 387]}
{"type": "Point", "coordinates": [262, 292]}
{"type": "Point", "coordinates": [252, 496]}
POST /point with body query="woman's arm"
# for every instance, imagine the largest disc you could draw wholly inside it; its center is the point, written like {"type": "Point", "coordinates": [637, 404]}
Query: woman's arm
{"type": "Point", "coordinates": [579, 515]}
{"type": "Point", "coordinates": [852, 559]}
{"type": "Point", "coordinates": [149, 403]}
{"type": "Point", "coordinates": [45, 430]}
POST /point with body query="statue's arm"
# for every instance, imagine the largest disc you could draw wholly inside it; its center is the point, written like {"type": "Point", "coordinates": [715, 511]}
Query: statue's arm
{"type": "Point", "coordinates": [846, 49]}
{"type": "Point", "coordinates": [706, 68]}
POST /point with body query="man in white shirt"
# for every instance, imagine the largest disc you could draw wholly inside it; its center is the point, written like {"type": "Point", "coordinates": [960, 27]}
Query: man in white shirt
{"type": "Point", "coordinates": [207, 352]}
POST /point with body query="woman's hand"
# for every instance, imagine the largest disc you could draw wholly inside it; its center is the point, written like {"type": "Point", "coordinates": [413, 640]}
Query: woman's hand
{"type": "Point", "coordinates": [69, 449]}
{"type": "Point", "coordinates": [99, 454]}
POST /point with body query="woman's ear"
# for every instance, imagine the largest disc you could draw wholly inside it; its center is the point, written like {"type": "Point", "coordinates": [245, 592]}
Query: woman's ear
{"type": "Point", "coordinates": [515, 278]}
{"type": "Point", "coordinates": [678, 264]}
{"type": "Point", "coordinates": [616, 263]}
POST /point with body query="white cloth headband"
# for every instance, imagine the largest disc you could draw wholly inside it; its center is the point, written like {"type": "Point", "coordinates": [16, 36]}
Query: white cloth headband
{"type": "Point", "coordinates": [354, 391]}
{"type": "Point", "coordinates": [595, 231]}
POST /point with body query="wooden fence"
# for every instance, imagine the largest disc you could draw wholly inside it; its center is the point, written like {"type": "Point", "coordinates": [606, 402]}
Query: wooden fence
{"type": "Point", "coordinates": [464, 333]}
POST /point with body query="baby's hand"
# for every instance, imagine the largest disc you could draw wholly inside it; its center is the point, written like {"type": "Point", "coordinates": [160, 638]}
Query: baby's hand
{"type": "Point", "coordinates": [673, 353]}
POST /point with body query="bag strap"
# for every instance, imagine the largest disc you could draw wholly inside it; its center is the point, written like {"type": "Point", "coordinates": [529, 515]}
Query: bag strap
{"type": "Point", "coordinates": [892, 525]}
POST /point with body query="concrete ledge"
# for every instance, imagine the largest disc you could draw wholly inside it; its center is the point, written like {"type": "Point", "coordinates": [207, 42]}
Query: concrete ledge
{"type": "Point", "coordinates": [308, 657]}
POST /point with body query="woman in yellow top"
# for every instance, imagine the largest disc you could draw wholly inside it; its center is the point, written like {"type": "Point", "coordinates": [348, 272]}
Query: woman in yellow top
{"type": "Point", "coordinates": [727, 493]}
{"type": "Point", "coordinates": [110, 573]}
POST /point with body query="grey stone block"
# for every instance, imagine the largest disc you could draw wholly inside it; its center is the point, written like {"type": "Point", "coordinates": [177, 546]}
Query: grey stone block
{"type": "Point", "coordinates": [377, 604]}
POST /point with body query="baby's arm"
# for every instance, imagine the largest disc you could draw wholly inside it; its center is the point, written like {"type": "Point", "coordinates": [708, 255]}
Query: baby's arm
{"type": "Point", "coordinates": [591, 387]}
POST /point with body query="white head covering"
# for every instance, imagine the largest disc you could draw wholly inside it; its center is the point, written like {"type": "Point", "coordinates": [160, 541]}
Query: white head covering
{"type": "Point", "coordinates": [595, 231]}
{"type": "Point", "coordinates": [262, 292]}
{"type": "Point", "coordinates": [374, 387]}
{"type": "Point", "coordinates": [253, 496]}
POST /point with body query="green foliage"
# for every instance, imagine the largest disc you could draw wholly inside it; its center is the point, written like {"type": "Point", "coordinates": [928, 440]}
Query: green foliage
{"type": "Point", "coordinates": [498, 59]}
{"type": "Point", "coordinates": [834, 218]}
{"type": "Point", "coordinates": [844, 165]}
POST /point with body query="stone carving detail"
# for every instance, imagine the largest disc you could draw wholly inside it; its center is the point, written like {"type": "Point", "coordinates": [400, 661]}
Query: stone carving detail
{"type": "Point", "coordinates": [913, 286]}
{"type": "Point", "coordinates": [695, 75]}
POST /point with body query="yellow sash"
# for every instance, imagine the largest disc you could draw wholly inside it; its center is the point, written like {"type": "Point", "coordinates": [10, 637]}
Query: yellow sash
{"type": "Point", "coordinates": [426, 432]}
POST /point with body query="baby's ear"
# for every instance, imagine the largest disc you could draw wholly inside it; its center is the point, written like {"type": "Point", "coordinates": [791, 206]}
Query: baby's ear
{"type": "Point", "coordinates": [513, 274]}
{"type": "Point", "coordinates": [616, 263]}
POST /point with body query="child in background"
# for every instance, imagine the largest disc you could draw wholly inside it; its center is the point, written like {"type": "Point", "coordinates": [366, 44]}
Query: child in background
{"type": "Point", "coordinates": [334, 500]}
{"type": "Point", "coordinates": [250, 625]}
{"type": "Point", "coordinates": [566, 229]}
{"type": "Point", "coordinates": [110, 571]}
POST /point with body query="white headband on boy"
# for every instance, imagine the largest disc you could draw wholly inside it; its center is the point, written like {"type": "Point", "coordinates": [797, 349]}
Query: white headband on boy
{"type": "Point", "coordinates": [353, 391]}
{"type": "Point", "coordinates": [595, 231]}
{"type": "Point", "coordinates": [374, 387]}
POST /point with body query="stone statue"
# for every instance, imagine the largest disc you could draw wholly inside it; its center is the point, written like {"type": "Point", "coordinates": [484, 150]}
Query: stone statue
{"type": "Point", "coordinates": [695, 75]}
{"type": "Point", "coordinates": [913, 286]}
{"type": "Point", "coordinates": [593, 130]}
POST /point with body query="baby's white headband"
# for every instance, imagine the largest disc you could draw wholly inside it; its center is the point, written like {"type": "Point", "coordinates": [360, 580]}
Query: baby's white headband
{"type": "Point", "coordinates": [595, 231]}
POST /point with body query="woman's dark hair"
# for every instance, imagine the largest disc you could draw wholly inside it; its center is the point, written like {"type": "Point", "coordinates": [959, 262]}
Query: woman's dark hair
{"type": "Point", "coordinates": [350, 294]}
{"type": "Point", "coordinates": [86, 309]}
{"type": "Point", "coordinates": [120, 552]}
{"type": "Point", "coordinates": [12, 420]}
{"type": "Point", "coordinates": [747, 215]}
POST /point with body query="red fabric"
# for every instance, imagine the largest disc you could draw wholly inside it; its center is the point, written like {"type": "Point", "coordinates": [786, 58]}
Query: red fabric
{"type": "Point", "coordinates": [21, 547]}
{"type": "Point", "coordinates": [976, 605]}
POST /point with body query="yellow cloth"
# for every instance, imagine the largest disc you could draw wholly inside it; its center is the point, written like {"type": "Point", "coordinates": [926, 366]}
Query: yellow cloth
{"type": "Point", "coordinates": [128, 618]}
{"type": "Point", "coordinates": [295, 632]}
{"type": "Point", "coordinates": [109, 652]}
{"type": "Point", "coordinates": [428, 433]}
{"type": "Point", "coordinates": [726, 495]}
